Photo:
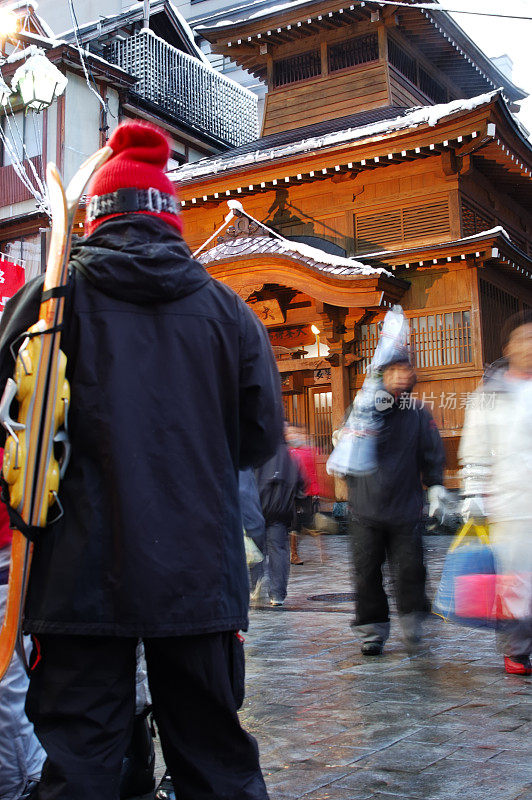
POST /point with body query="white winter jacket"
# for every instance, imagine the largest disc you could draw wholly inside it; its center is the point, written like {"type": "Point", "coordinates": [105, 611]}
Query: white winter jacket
{"type": "Point", "coordinates": [495, 452]}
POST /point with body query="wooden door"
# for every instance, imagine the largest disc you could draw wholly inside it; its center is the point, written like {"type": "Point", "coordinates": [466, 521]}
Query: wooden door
{"type": "Point", "coordinates": [320, 429]}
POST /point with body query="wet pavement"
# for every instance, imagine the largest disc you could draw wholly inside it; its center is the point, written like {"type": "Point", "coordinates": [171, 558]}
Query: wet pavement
{"type": "Point", "coordinates": [446, 724]}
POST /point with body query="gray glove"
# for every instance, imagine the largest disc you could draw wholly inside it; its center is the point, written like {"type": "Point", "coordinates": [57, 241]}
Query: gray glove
{"type": "Point", "coordinates": [438, 503]}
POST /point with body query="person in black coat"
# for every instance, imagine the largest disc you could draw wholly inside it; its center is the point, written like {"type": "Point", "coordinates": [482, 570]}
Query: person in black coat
{"type": "Point", "coordinates": [174, 387]}
{"type": "Point", "coordinates": [279, 482]}
{"type": "Point", "coordinates": [386, 507]}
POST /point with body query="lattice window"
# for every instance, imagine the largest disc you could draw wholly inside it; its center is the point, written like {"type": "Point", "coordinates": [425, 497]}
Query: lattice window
{"type": "Point", "coordinates": [474, 220]}
{"type": "Point", "coordinates": [322, 422]}
{"type": "Point", "coordinates": [441, 340]}
{"type": "Point", "coordinates": [296, 68]}
{"type": "Point", "coordinates": [431, 87]}
{"type": "Point", "coordinates": [355, 51]}
{"type": "Point", "coordinates": [400, 59]}
{"type": "Point", "coordinates": [380, 230]}
{"type": "Point", "coordinates": [496, 306]}
{"type": "Point", "coordinates": [416, 74]}
{"type": "Point", "coordinates": [436, 340]}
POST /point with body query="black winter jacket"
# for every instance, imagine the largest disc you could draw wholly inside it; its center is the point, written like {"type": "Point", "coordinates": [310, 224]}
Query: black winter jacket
{"type": "Point", "coordinates": [409, 454]}
{"type": "Point", "coordinates": [280, 482]}
{"type": "Point", "coordinates": [174, 386]}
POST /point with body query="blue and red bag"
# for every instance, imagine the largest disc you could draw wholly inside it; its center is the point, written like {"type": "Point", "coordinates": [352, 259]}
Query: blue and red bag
{"type": "Point", "coordinates": [467, 589]}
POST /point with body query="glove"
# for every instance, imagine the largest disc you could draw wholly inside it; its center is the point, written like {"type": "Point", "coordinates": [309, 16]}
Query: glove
{"type": "Point", "coordinates": [473, 508]}
{"type": "Point", "coordinates": [438, 502]}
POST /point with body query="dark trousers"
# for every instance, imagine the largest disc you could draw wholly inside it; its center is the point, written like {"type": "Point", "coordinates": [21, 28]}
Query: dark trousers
{"type": "Point", "coordinates": [373, 543]}
{"type": "Point", "coordinates": [276, 549]}
{"type": "Point", "coordinates": [81, 701]}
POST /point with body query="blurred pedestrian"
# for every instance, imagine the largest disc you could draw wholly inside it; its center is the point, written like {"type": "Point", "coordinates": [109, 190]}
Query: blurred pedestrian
{"type": "Point", "coordinates": [173, 387]}
{"type": "Point", "coordinates": [496, 459]}
{"type": "Point", "coordinates": [386, 506]}
{"type": "Point", "coordinates": [21, 755]}
{"type": "Point", "coordinates": [308, 505]}
{"type": "Point", "coordinates": [279, 482]}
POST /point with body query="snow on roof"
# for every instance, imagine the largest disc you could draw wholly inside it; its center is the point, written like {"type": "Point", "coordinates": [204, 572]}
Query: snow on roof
{"type": "Point", "coordinates": [476, 237]}
{"type": "Point", "coordinates": [139, 6]}
{"type": "Point", "coordinates": [312, 257]}
{"type": "Point", "coordinates": [425, 115]}
{"type": "Point", "coordinates": [264, 12]}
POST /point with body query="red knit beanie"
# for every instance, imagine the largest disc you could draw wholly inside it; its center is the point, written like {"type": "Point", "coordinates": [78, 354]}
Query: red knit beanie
{"type": "Point", "coordinates": [140, 155]}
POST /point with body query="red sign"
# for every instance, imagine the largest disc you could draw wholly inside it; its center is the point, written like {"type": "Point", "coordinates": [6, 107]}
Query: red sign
{"type": "Point", "coordinates": [11, 280]}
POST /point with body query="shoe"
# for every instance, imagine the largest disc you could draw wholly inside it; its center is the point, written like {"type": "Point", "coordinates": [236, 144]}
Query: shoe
{"type": "Point", "coordinates": [372, 649]}
{"type": "Point", "coordinates": [518, 665]}
{"type": "Point", "coordinates": [275, 602]}
{"type": "Point", "coordinates": [165, 790]}
{"type": "Point", "coordinates": [138, 766]}
{"type": "Point", "coordinates": [294, 555]}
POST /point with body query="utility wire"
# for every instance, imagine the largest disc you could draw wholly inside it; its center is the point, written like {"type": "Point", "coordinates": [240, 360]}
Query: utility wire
{"type": "Point", "coordinates": [80, 50]}
{"type": "Point", "coordinates": [248, 6]}
{"type": "Point", "coordinates": [434, 7]}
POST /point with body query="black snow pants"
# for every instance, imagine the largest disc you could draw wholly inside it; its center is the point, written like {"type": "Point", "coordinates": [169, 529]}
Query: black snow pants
{"type": "Point", "coordinates": [371, 544]}
{"type": "Point", "coordinates": [81, 701]}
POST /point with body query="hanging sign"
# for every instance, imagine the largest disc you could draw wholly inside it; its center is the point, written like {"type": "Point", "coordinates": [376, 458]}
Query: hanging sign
{"type": "Point", "coordinates": [11, 280]}
{"type": "Point", "coordinates": [322, 375]}
{"type": "Point", "coordinates": [291, 336]}
{"type": "Point", "coordinates": [269, 311]}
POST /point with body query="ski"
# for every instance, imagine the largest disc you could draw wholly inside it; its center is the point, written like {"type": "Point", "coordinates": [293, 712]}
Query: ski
{"type": "Point", "coordinates": [30, 466]}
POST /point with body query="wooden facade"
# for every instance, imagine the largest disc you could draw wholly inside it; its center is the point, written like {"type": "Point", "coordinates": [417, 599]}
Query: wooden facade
{"type": "Point", "coordinates": [441, 201]}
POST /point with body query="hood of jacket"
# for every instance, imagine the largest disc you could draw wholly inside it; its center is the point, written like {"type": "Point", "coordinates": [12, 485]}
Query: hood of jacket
{"type": "Point", "coordinates": [139, 259]}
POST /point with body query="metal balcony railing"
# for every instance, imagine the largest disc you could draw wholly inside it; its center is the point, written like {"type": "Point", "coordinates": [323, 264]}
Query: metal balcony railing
{"type": "Point", "coordinates": [187, 88]}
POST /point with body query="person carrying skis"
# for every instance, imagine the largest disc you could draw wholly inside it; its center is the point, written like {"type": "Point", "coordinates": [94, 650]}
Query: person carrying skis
{"type": "Point", "coordinates": [173, 388]}
{"type": "Point", "coordinates": [21, 755]}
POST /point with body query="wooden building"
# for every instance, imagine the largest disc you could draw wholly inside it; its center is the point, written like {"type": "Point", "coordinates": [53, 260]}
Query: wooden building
{"type": "Point", "coordinates": [156, 74]}
{"type": "Point", "coordinates": [390, 147]}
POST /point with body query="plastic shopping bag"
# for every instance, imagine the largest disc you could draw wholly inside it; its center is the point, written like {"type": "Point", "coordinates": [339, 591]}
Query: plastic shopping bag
{"type": "Point", "coordinates": [253, 554]}
{"type": "Point", "coordinates": [467, 589]}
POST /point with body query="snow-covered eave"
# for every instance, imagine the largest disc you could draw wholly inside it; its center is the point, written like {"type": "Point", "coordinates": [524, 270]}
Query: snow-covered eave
{"type": "Point", "coordinates": [323, 263]}
{"type": "Point", "coordinates": [429, 116]}
{"type": "Point", "coordinates": [497, 235]}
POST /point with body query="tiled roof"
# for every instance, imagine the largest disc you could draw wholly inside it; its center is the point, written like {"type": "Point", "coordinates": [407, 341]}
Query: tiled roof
{"type": "Point", "coordinates": [310, 257]}
{"type": "Point", "coordinates": [369, 124]}
{"type": "Point", "coordinates": [317, 129]}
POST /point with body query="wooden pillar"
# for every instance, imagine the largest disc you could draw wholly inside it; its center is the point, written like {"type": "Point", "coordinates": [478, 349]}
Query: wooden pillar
{"type": "Point", "coordinates": [60, 140]}
{"type": "Point", "coordinates": [324, 58]}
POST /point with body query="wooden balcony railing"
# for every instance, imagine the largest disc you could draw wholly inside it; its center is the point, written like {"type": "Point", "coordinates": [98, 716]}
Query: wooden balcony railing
{"type": "Point", "coordinates": [12, 190]}
{"type": "Point", "coordinates": [187, 88]}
